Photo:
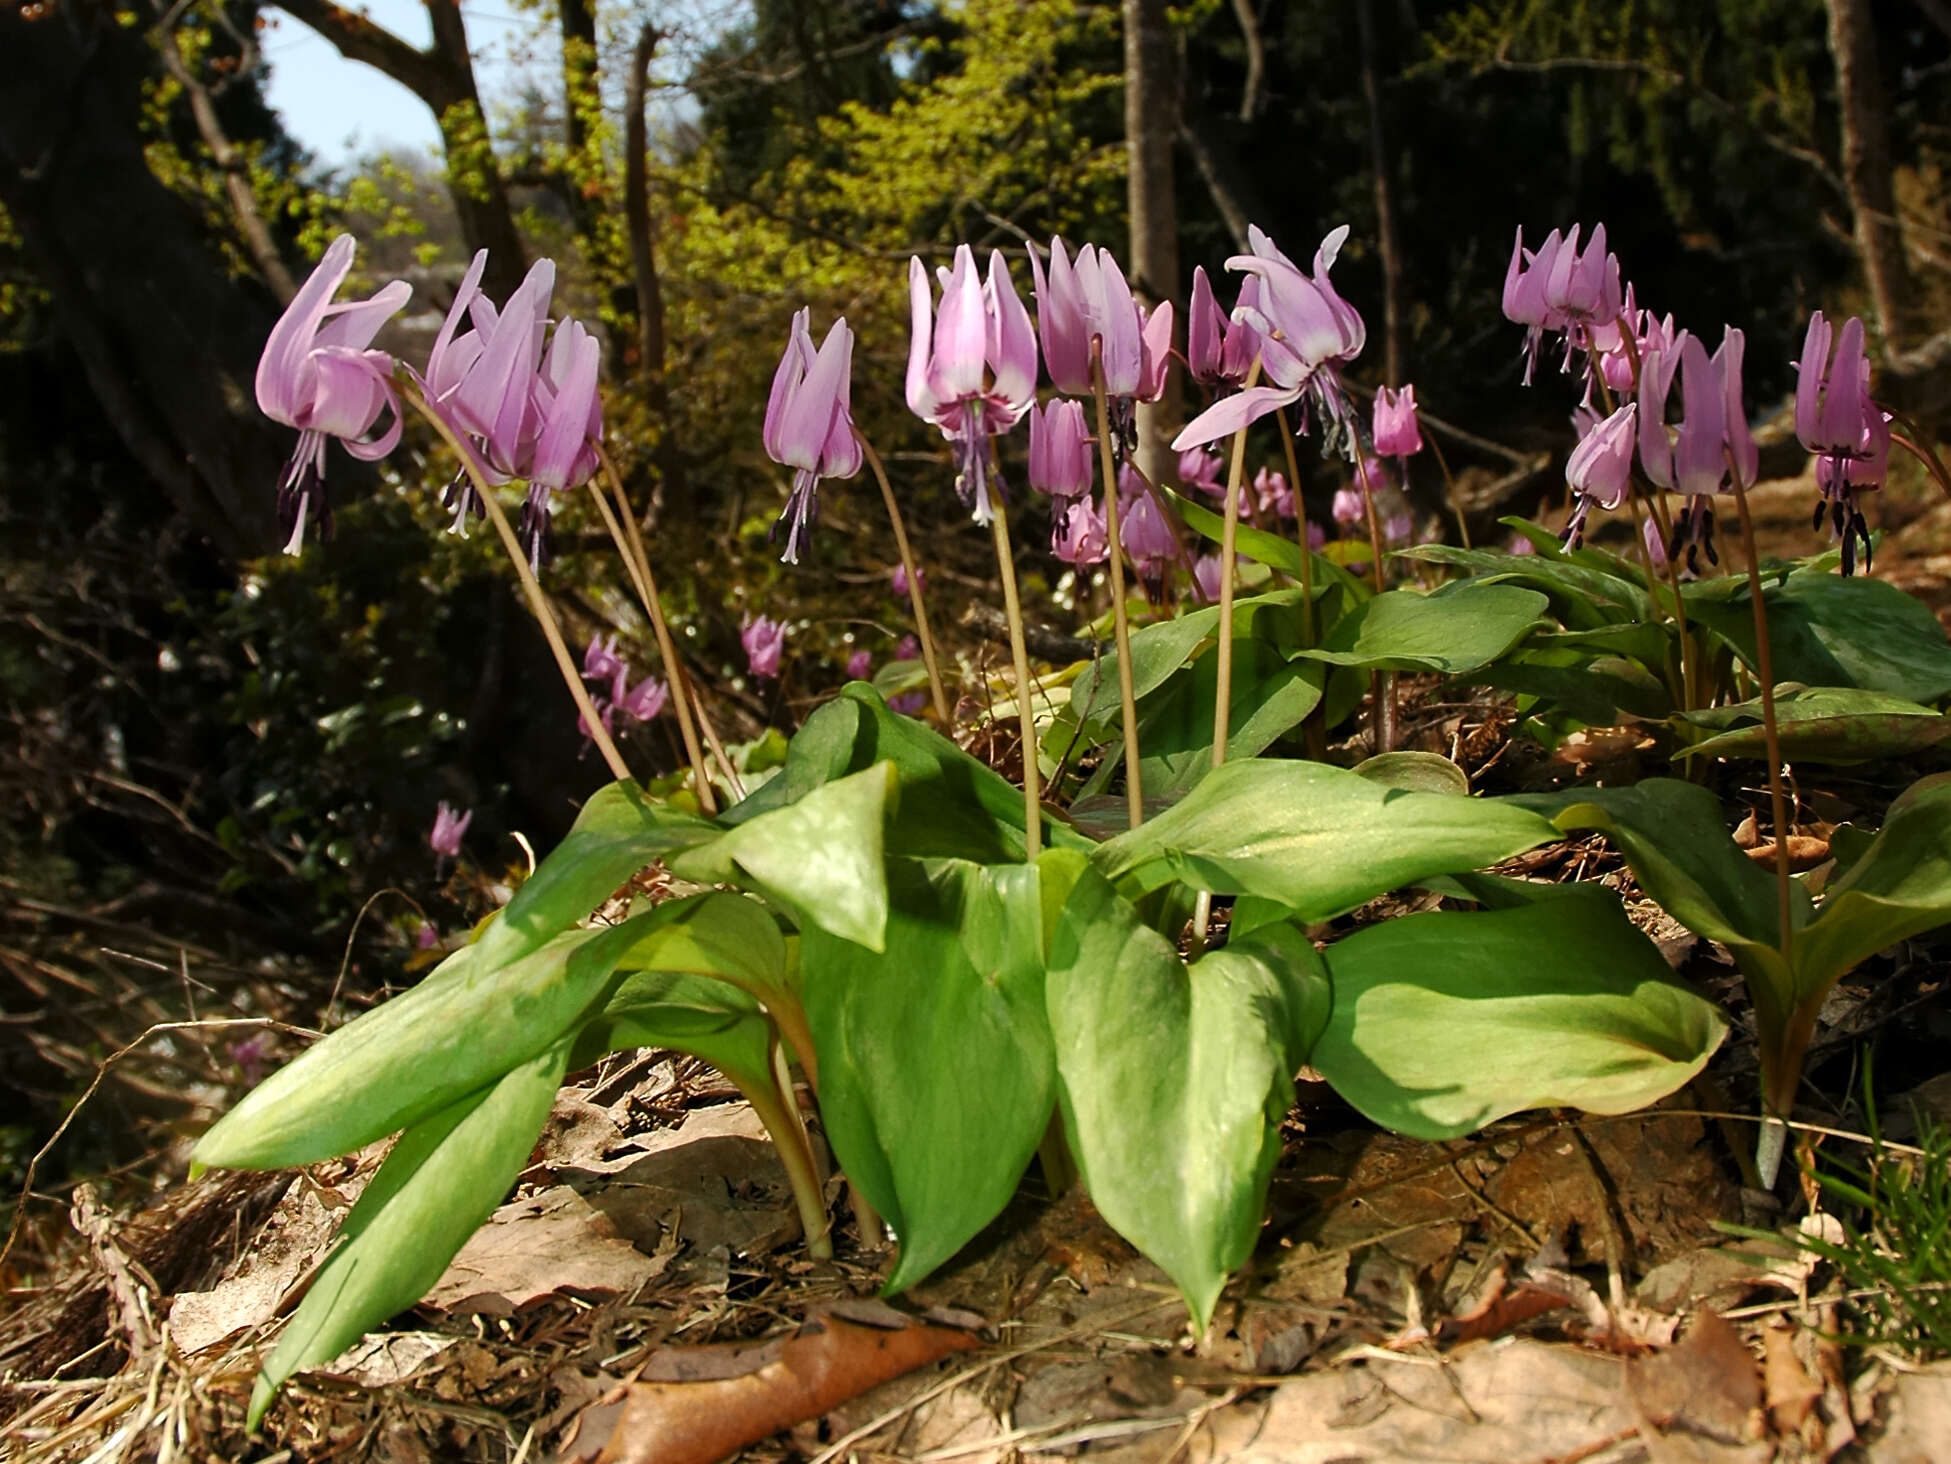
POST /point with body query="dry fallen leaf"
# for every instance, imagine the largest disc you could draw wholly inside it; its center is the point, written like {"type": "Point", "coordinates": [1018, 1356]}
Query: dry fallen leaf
{"type": "Point", "coordinates": [750, 1391]}
{"type": "Point", "coordinates": [1700, 1400]}
{"type": "Point", "coordinates": [533, 1247]}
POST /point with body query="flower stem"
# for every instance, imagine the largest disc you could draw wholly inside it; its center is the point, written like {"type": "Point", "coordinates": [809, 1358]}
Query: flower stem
{"type": "Point", "coordinates": [537, 601]}
{"type": "Point", "coordinates": [1228, 546]}
{"type": "Point", "coordinates": [774, 1104]}
{"type": "Point", "coordinates": [1120, 621]}
{"type": "Point", "coordinates": [1025, 712]}
{"type": "Point", "coordinates": [942, 712]}
{"type": "Point", "coordinates": [1381, 684]}
{"type": "Point", "coordinates": [1764, 666]}
{"type": "Point", "coordinates": [1449, 489]}
{"type": "Point", "coordinates": [1314, 728]}
{"type": "Point", "coordinates": [647, 593]}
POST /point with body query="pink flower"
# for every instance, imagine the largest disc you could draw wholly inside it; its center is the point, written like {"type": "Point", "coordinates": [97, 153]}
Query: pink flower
{"type": "Point", "coordinates": [449, 826]}
{"type": "Point", "coordinates": [1206, 575]}
{"type": "Point", "coordinates": [1200, 469]}
{"type": "Point", "coordinates": [600, 660]}
{"type": "Point", "coordinates": [1061, 462]}
{"type": "Point", "coordinates": [764, 640]}
{"type": "Point", "coordinates": [1272, 495]}
{"type": "Point", "coordinates": [1317, 537]}
{"type": "Point", "coordinates": [971, 365]}
{"type": "Point", "coordinates": [900, 579]}
{"type": "Point", "coordinates": [1836, 419]}
{"type": "Point", "coordinates": [809, 425]}
{"type": "Point", "coordinates": [1397, 528]}
{"type": "Point", "coordinates": [1695, 457]}
{"type": "Point", "coordinates": [859, 665]}
{"type": "Point", "coordinates": [1348, 508]}
{"type": "Point", "coordinates": [1219, 351]}
{"type": "Point", "coordinates": [1075, 304]}
{"type": "Point", "coordinates": [1655, 550]}
{"type": "Point", "coordinates": [906, 703]}
{"type": "Point", "coordinates": [319, 374]}
{"type": "Point", "coordinates": [907, 648]}
{"type": "Point", "coordinates": [1148, 538]}
{"type": "Point", "coordinates": [1559, 289]}
{"type": "Point", "coordinates": [1601, 466]}
{"type": "Point", "coordinates": [1397, 433]}
{"type": "Point", "coordinates": [1078, 532]}
{"type": "Point", "coordinates": [644, 700]}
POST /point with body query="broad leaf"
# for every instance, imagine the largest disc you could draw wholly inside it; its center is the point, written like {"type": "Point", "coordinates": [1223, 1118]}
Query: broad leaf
{"type": "Point", "coordinates": [1414, 772]}
{"type": "Point", "coordinates": [1270, 697]}
{"type": "Point", "coordinates": [1445, 1022]}
{"type": "Point", "coordinates": [1458, 628]}
{"type": "Point", "coordinates": [1158, 651]}
{"type": "Point", "coordinates": [936, 1072]}
{"type": "Point", "coordinates": [1318, 839]}
{"type": "Point", "coordinates": [1581, 596]}
{"type": "Point", "coordinates": [443, 1178]}
{"type": "Point", "coordinates": [420, 1052]}
{"type": "Point", "coordinates": [819, 856]}
{"type": "Point", "coordinates": [1270, 549]}
{"type": "Point", "coordinates": [1596, 690]}
{"type": "Point", "coordinates": [1833, 724]}
{"type": "Point", "coordinates": [1826, 630]}
{"type": "Point", "coordinates": [1897, 888]}
{"type": "Point", "coordinates": [1174, 1081]}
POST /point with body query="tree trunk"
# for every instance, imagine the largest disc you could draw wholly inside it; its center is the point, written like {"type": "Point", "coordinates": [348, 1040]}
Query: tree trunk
{"type": "Point", "coordinates": [581, 102]}
{"type": "Point", "coordinates": [1151, 123]}
{"type": "Point", "coordinates": [1866, 165]}
{"type": "Point", "coordinates": [443, 77]}
{"type": "Point", "coordinates": [169, 342]}
{"type": "Point", "coordinates": [1381, 170]}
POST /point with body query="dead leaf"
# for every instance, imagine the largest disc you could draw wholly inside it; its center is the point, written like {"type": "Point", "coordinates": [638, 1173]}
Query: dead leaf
{"type": "Point", "coordinates": [262, 1283]}
{"type": "Point", "coordinates": [780, 1383]}
{"type": "Point", "coordinates": [1916, 1416]}
{"type": "Point", "coordinates": [385, 1358]}
{"type": "Point", "coordinates": [1792, 1393]}
{"type": "Point", "coordinates": [1804, 852]}
{"type": "Point", "coordinates": [1499, 1311]}
{"type": "Point", "coordinates": [1700, 1400]}
{"type": "Point", "coordinates": [534, 1247]}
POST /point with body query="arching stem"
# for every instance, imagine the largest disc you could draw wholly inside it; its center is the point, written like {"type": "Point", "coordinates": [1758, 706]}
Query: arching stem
{"type": "Point", "coordinates": [1025, 712]}
{"type": "Point", "coordinates": [1120, 621]}
{"type": "Point", "coordinates": [942, 712]}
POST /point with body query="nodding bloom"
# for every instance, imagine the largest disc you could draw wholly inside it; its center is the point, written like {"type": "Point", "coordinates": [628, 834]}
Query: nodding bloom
{"type": "Point", "coordinates": [319, 374]}
{"type": "Point", "coordinates": [1219, 350]}
{"type": "Point", "coordinates": [600, 660]}
{"type": "Point", "coordinates": [1206, 575]}
{"type": "Point", "coordinates": [1306, 333]}
{"type": "Point", "coordinates": [1061, 462]}
{"type": "Point", "coordinates": [809, 425]}
{"type": "Point", "coordinates": [900, 579]}
{"type": "Point", "coordinates": [1396, 430]}
{"type": "Point", "coordinates": [1849, 433]}
{"type": "Point", "coordinates": [859, 665]}
{"type": "Point", "coordinates": [764, 640]}
{"type": "Point", "coordinates": [449, 826]}
{"type": "Point", "coordinates": [907, 703]}
{"type": "Point", "coordinates": [569, 417]}
{"type": "Point", "coordinates": [907, 648]}
{"type": "Point", "coordinates": [1397, 527]}
{"type": "Point", "coordinates": [1347, 508]}
{"type": "Point", "coordinates": [1617, 365]}
{"type": "Point", "coordinates": [1695, 457]}
{"type": "Point", "coordinates": [1655, 547]}
{"type": "Point", "coordinates": [1091, 299]}
{"type": "Point", "coordinates": [1556, 288]}
{"type": "Point", "coordinates": [1317, 537]}
{"type": "Point", "coordinates": [1601, 466]}
{"type": "Point", "coordinates": [642, 701]}
{"type": "Point", "coordinates": [1148, 538]}
{"type": "Point", "coordinates": [1200, 469]}
{"type": "Point", "coordinates": [1079, 534]}
{"type": "Point", "coordinates": [493, 399]}
{"type": "Point", "coordinates": [1272, 495]}
{"type": "Point", "coordinates": [971, 366]}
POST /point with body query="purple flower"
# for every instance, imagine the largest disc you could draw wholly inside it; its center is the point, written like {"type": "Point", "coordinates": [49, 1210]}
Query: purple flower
{"type": "Point", "coordinates": [1219, 351]}
{"type": "Point", "coordinates": [1306, 332]}
{"type": "Point", "coordinates": [1849, 433]}
{"type": "Point", "coordinates": [1695, 457]}
{"type": "Point", "coordinates": [1317, 537]}
{"type": "Point", "coordinates": [494, 400]}
{"type": "Point", "coordinates": [600, 660]}
{"type": "Point", "coordinates": [1079, 534]}
{"type": "Point", "coordinates": [445, 840]}
{"type": "Point", "coordinates": [569, 416]}
{"type": "Point", "coordinates": [1348, 508]}
{"type": "Point", "coordinates": [1397, 433]}
{"type": "Point", "coordinates": [642, 701]}
{"type": "Point", "coordinates": [1655, 550]}
{"type": "Point", "coordinates": [900, 579]}
{"type": "Point", "coordinates": [764, 640]}
{"type": "Point", "coordinates": [1272, 495]}
{"type": "Point", "coordinates": [809, 425]}
{"type": "Point", "coordinates": [1520, 545]}
{"type": "Point", "coordinates": [906, 703]}
{"type": "Point", "coordinates": [1206, 575]}
{"type": "Point", "coordinates": [1200, 469]}
{"type": "Point", "coordinates": [319, 374]}
{"type": "Point", "coordinates": [907, 648]}
{"type": "Point", "coordinates": [971, 365]}
{"type": "Point", "coordinates": [1601, 466]}
{"type": "Point", "coordinates": [1559, 289]}
{"type": "Point", "coordinates": [427, 937]}
{"type": "Point", "coordinates": [1060, 450]}
{"type": "Point", "coordinates": [1148, 538]}
{"type": "Point", "coordinates": [1075, 304]}
{"type": "Point", "coordinates": [1397, 528]}
{"type": "Point", "coordinates": [859, 665]}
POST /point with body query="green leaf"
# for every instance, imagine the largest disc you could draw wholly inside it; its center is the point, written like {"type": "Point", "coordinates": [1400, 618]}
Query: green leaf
{"type": "Point", "coordinates": [1270, 697]}
{"type": "Point", "coordinates": [1582, 596]}
{"type": "Point", "coordinates": [1159, 651]}
{"type": "Point", "coordinates": [1445, 1022]}
{"type": "Point", "coordinates": [1464, 625]}
{"type": "Point", "coordinates": [1833, 724]}
{"type": "Point", "coordinates": [443, 1178]}
{"type": "Point", "coordinates": [1897, 888]}
{"type": "Point", "coordinates": [420, 1052]}
{"type": "Point", "coordinates": [1269, 549]}
{"type": "Point", "coordinates": [1672, 835]}
{"type": "Point", "coordinates": [937, 1078]}
{"type": "Point", "coordinates": [1317, 839]}
{"type": "Point", "coordinates": [617, 833]}
{"type": "Point", "coordinates": [951, 805]}
{"type": "Point", "coordinates": [700, 1015]}
{"type": "Point", "coordinates": [1414, 772]}
{"type": "Point", "coordinates": [1593, 689]}
{"type": "Point", "coordinates": [1174, 1081]}
{"type": "Point", "coordinates": [1825, 630]}
{"type": "Point", "coordinates": [819, 856]}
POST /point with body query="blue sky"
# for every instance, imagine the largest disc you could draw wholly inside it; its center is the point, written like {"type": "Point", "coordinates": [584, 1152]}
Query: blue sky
{"type": "Point", "coordinates": [342, 110]}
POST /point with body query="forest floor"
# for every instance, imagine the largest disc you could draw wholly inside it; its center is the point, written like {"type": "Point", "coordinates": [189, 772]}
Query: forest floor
{"type": "Point", "coordinates": [1557, 1288]}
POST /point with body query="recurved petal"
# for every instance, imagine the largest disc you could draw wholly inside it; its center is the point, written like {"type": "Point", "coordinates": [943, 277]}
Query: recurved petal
{"type": "Point", "coordinates": [1011, 343]}
{"type": "Point", "coordinates": [785, 381]}
{"type": "Point", "coordinates": [1229, 415]}
{"type": "Point", "coordinates": [1842, 421]}
{"type": "Point", "coordinates": [922, 400]}
{"type": "Point", "coordinates": [563, 431]}
{"type": "Point", "coordinates": [1808, 380]}
{"type": "Point", "coordinates": [961, 333]}
{"type": "Point", "coordinates": [291, 338]}
{"type": "Point", "coordinates": [355, 323]}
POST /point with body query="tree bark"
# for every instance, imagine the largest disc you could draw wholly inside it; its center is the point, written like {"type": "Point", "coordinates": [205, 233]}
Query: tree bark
{"type": "Point", "coordinates": [1151, 123]}
{"type": "Point", "coordinates": [168, 340]}
{"type": "Point", "coordinates": [675, 507]}
{"type": "Point", "coordinates": [580, 101]}
{"type": "Point", "coordinates": [1866, 165]}
{"type": "Point", "coordinates": [443, 77]}
{"type": "Point", "coordinates": [1381, 170]}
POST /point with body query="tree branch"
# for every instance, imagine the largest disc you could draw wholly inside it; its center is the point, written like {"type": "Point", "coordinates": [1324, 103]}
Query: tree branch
{"type": "Point", "coordinates": [357, 38]}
